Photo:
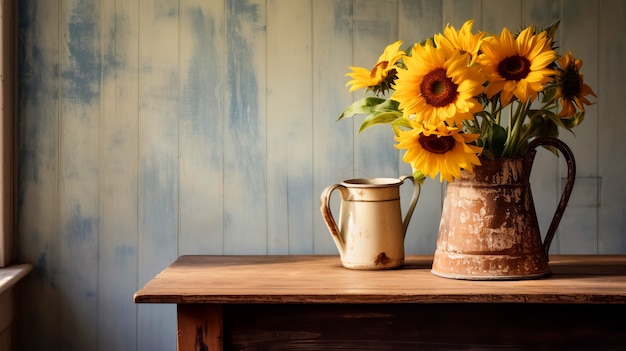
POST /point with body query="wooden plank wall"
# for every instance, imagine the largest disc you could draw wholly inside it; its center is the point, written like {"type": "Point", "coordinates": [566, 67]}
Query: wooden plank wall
{"type": "Point", "coordinates": [155, 128]}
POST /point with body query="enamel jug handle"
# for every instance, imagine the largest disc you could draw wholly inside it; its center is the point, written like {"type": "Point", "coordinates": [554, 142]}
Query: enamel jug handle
{"type": "Point", "coordinates": [328, 216]}
{"type": "Point", "coordinates": [569, 186]}
{"type": "Point", "coordinates": [416, 194]}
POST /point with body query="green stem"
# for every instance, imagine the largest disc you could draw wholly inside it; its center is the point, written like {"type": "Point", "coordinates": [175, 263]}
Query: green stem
{"type": "Point", "coordinates": [516, 121]}
{"type": "Point", "coordinates": [496, 109]}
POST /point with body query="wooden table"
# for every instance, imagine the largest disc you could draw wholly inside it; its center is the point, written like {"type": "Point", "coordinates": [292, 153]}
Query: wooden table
{"type": "Point", "coordinates": [313, 303]}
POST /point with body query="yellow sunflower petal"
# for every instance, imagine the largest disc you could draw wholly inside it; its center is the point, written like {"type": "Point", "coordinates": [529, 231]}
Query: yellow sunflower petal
{"type": "Point", "coordinates": [437, 86]}
{"type": "Point", "coordinates": [516, 66]}
{"type": "Point", "coordinates": [438, 150]}
{"type": "Point", "coordinates": [380, 77]}
{"type": "Point", "coordinates": [571, 88]}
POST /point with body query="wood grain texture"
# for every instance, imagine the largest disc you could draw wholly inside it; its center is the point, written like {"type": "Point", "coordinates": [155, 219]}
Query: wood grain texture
{"type": "Point", "coordinates": [305, 279]}
{"type": "Point", "coordinates": [200, 327]}
{"type": "Point", "coordinates": [401, 327]}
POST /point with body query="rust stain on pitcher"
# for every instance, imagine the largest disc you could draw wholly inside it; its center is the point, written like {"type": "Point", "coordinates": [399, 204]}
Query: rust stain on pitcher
{"type": "Point", "coordinates": [489, 228]}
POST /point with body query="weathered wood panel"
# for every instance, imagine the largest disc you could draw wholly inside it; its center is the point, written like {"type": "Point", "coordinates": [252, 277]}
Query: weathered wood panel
{"type": "Point", "coordinates": [158, 106]}
{"type": "Point", "coordinates": [202, 74]}
{"type": "Point", "coordinates": [245, 138]}
{"type": "Point", "coordinates": [151, 129]}
{"type": "Point", "coordinates": [333, 141]}
{"type": "Point", "coordinates": [38, 178]}
{"type": "Point", "coordinates": [119, 151]}
{"type": "Point", "coordinates": [578, 31]}
{"type": "Point", "coordinates": [290, 201]}
{"type": "Point", "coordinates": [79, 217]}
{"type": "Point", "coordinates": [611, 142]}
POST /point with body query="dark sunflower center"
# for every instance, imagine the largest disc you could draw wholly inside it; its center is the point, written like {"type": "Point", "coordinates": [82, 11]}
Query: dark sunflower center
{"type": "Point", "coordinates": [437, 89]}
{"type": "Point", "coordinates": [435, 144]}
{"type": "Point", "coordinates": [381, 65]}
{"type": "Point", "coordinates": [514, 68]}
{"type": "Point", "coordinates": [571, 83]}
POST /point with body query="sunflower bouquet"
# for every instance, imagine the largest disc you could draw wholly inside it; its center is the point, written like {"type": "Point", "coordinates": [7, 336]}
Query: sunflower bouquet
{"type": "Point", "coordinates": [459, 96]}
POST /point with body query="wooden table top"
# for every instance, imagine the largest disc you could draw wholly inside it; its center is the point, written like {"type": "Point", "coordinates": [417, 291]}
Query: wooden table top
{"type": "Point", "coordinates": [321, 279]}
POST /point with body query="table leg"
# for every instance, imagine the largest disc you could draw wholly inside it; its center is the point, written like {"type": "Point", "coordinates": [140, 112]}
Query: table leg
{"type": "Point", "coordinates": [200, 327]}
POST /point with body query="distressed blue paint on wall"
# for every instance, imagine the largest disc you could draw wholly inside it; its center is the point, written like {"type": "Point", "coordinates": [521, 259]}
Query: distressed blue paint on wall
{"type": "Point", "coordinates": [125, 252]}
{"type": "Point", "coordinates": [160, 196]}
{"type": "Point", "coordinates": [38, 75]}
{"type": "Point", "coordinates": [244, 117]}
{"type": "Point", "coordinates": [343, 16]}
{"type": "Point", "coordinates": [42, 269]}
{"type": "Point", "coordinates": [243, 82]}
{"type": "Point", "coordinates": [203, 75]}
{"type": "Point", "coordinates": [110, 60]}
{"type": "Point", "coordinates": [80, 228]}
{"type": "Point", "coordinates": [83, 73]}
{"type": "Point", "coordinates": [29, 54]}
{"type": "Point", "coordinates": [203, 89]}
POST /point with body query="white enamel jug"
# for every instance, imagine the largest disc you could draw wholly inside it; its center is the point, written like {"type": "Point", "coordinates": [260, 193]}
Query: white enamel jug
{"type": "Point", "coordinates": [371, 230]}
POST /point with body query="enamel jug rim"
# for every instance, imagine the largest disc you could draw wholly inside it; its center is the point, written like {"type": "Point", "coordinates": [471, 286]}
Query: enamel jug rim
{"type": "Point", "coordinates": [371, 182]}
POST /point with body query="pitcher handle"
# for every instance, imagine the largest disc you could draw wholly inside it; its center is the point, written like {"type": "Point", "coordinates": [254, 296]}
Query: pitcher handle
{"type": "Point", "coordinates": [328, 215]}
{"type": "Point", "coordinates": [569, 186]}
{"type": "Point", "coordinates": [416, 194]}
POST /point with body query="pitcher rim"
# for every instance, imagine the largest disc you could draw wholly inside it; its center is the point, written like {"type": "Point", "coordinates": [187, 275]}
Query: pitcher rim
{"type": "Point", "coordinates": [371, 182]}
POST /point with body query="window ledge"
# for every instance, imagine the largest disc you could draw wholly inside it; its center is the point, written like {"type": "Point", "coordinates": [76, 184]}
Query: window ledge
{"type": "Point", "coordinates": [10, 275]}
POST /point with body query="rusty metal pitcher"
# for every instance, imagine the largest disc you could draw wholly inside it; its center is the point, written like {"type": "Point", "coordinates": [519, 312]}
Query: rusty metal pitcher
{"type": "Point", "coordinates": [489, 228]}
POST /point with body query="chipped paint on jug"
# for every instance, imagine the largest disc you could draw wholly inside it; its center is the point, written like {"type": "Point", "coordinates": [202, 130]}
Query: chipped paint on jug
{"type": "Point", "coordinates": [489, 228]}
{"type": "Point", "coordinates": [371, 230]}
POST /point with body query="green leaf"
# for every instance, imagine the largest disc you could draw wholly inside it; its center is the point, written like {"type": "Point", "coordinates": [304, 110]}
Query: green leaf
{"type": "Point", "coordinates": [493, 138]}
{"type": "Point", "coordinates": [385, 117]}
{"type": "Point", "coordinates": [575, 120]}
{"type": "Point", "coordinates": [546, 126]}
{"type": "Point", "coordinates": [366, 106]}
{"type": "Point", "coordinates": [556, 120]}
{"type": "Point", "coordinates": [378, 111]}
{"type": "Point", "coordinates": [551, 30]}
{"type": "Point", "coordinates": [549, 94]}
{"type": "Point", "coordinates": [400, 124]}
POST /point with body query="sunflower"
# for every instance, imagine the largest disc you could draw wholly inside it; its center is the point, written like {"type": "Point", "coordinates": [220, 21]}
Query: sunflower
{"type": "Point", "coordinates": [462, 40]}
{"type": "Point", "coordinates": [379, 78]}
{"type": "Point", "coordinates": [438, 86]}
{"type": "Point", "coordinates": [517, 66]}
{"type": "Point", "coordinates": [438, 149]}
{"type": "Point", "coordinates": [571, 88]}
